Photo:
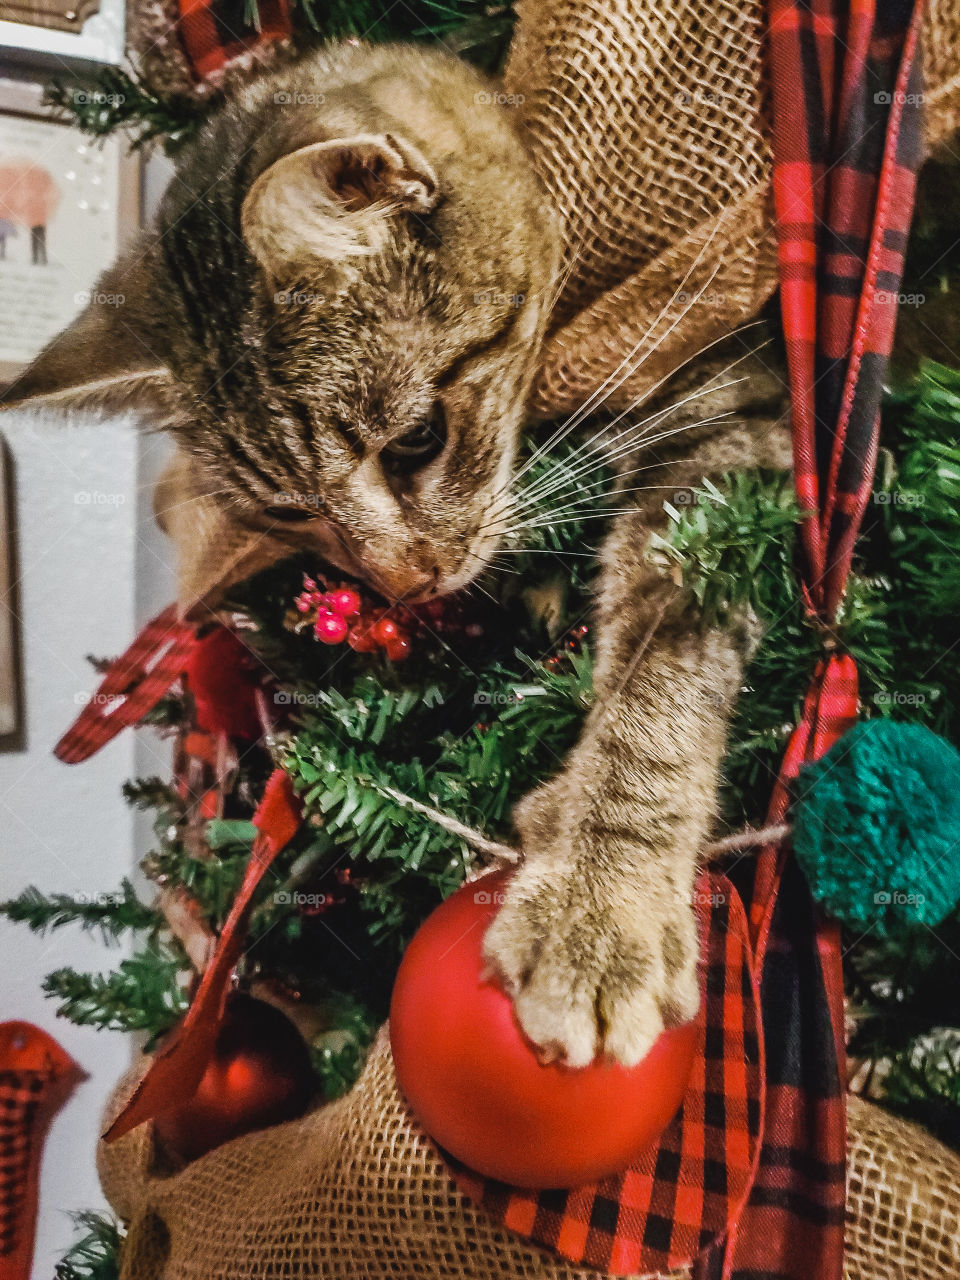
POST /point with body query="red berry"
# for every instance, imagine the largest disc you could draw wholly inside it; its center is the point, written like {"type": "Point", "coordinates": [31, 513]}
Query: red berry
{"type": "Point", "coordinates": [330, 628]}
{"type": "Point", "coordinates": [360, 640]}
{"type": "Point", "coordinates": [385, 630]}
{"type": "Point", "coordinates": [344, 601]}
{"type": "Point", "coordinates": [398, 648]}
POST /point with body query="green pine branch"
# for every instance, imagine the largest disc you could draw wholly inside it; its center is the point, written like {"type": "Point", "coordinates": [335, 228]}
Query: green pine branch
{"type": "Point", "coordinates": [110, 914]}
{"type": "Point", "coordinates": [143, 993]}
{"type": "Point", "coordinates": [114, 98]}
{"type": "Point", "coordinates": [96, 1254]}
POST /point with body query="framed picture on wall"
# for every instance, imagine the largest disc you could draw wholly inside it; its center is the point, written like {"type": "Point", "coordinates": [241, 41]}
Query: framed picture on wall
{"type": "Point", "coordinates": [68, 204]}
{"type": "Point", "coordinates": [54, 31]}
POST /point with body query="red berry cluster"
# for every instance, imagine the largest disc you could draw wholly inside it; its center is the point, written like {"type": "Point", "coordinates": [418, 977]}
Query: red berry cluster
{"type": "Point", "coordinates": [573, 643]}
{"type": "Point", "coordinates": [339, 614]}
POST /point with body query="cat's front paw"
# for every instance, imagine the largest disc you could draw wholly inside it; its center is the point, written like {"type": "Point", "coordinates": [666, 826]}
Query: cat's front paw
{"type": "Point", "coordinates": [595, 968]}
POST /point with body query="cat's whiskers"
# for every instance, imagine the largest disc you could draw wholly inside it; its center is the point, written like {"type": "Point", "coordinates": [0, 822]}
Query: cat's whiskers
{"type": "Point", "coordinates": [603, 453]}
{"type": "Point", "coordinates": [600, 439]}
{"type": "Point", "coordinates": [194, 497]}
{"type": "Point", "coordinates": [588, 498]}
{"type": "Point", "coordinates": [610, 384]}
{"type": "Point", "coordinates": [628, 365]}
{"type": "Point", "coordinates": [533, 497]}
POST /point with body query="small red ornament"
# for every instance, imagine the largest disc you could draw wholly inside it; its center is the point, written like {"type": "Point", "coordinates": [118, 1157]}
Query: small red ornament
{"type": "Point", "coordinates": [477, 1086]}
{"type": "Point", "coordinates": [260, 1074]}
{"type": "Point", "coordinates": [330, 628]}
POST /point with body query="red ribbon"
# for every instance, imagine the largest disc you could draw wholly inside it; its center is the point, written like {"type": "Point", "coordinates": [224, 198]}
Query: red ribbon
{"type": "Point", "coordinates": [179, 1065]}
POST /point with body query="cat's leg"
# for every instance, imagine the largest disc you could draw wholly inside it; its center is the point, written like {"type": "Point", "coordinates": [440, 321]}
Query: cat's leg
{"type": "Point", "coordinates": [597, 940]}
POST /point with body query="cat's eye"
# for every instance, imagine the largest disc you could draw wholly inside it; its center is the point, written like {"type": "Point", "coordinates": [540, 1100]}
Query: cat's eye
{"type": "Point", "coordinates": [288, 515]}
{"type": "Point", "coordinates": [414, 449]}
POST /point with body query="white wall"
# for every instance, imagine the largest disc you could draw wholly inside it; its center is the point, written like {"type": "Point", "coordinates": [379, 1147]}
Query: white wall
{"type": "Point", "coordinates": [92, 568]}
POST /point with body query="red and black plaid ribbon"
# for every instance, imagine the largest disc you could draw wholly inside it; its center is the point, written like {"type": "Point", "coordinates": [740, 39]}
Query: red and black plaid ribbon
{"type": "Point", "coordinates": [214, 32]}
{"type": "Point", "coordinates": [847, 93]}
{"type": "Point", "coordinates": [133, 685]}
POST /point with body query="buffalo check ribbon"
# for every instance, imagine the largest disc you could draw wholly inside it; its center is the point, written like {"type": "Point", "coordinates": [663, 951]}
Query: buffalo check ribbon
{"type": "Point", "coordinates": [133, 685]}
{"type": "Point", "coordinates": [846, 95]}
{"type": "Point", "coordinates": [215, 32]}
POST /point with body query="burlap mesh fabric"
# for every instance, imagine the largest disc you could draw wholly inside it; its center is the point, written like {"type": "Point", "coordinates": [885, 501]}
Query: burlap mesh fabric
{"type": "Point", "coordinates": [354, 1191]}
{"type": "Point", "coordinates": [647, 126]}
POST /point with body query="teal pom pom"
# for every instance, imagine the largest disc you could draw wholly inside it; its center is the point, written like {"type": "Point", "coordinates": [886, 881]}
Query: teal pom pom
{"type": "Point", "coordinates": [876, 826]}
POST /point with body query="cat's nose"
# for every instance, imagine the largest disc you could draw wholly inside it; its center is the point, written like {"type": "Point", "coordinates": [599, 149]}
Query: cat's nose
{"type": "Point", "coordinates": [408, 582]}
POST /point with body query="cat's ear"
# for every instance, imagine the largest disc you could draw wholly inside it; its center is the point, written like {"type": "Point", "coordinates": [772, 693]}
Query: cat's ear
{"type": "Point", "coordinates": [106, 359]}
{"type": "Point", "coordinates": [333, 200]}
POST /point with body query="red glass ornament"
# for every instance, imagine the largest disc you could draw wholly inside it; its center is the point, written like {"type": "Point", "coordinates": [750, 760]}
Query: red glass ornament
{"type": "Point", "coordinates": [260, 1074]}
{"type": "Point", "coordinates": [330, 628]}
{"type": "Point", "coordinates": [344, 601]}
{"type": "Point", "coordinates": [477, 1086]}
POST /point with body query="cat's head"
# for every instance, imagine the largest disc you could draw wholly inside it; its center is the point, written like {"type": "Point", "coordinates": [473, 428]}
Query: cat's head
{"type": "Point", "coordinates": [338, 313]}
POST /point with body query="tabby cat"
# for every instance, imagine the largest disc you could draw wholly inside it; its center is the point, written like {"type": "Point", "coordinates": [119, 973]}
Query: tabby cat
{"type": "Point", "coordinates": [338, 314]}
